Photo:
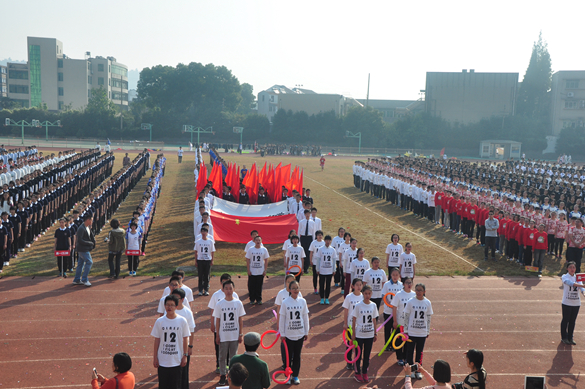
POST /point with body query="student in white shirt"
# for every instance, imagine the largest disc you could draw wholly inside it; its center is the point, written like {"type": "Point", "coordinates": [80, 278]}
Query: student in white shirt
{"type": "Point", "coordinates": [306, 232]}
{"type": "Point", "coordinates": [215, 298]}
{"type": "Point", "coordinates": [314, 256]}
{"type": "Point", "coordinates": [393, 251]}
{"type": "Point", "coordinates": [376, 278]}
{"type": "Point", "coordinates": [171, 333]}
{"type": "Point", "coordinates": [294, 256]}
{"type": "Point", "coordinates": [349, 303]}
{"type": "Point", "coordinates": [571, 303]}
{"type": "Point", "coordinates": [133, 244]}
{"type": "Point", "coordinates": [315, 219]}
{"type": "Point", "coordinates": [256, 263]}
{"type": "Point", "coordinates": [286, 244]}
{"type": "Point", "coordinates": [188, 291]}
{"type": "Point", "coordinates": [185, 312]}
{"type": "Point", "coordinates": [325, 269]}
{"type": "Point", "coordinates": [204, 253]}
{"type": "Point", "coordinates": [417, 324]}
{"type": "Point", "coordinates": [251, 243]}
{"type": "Point", "coordinates": [392, 286]}
{"type": "Point", "coordinates": [407, 263]}
{"type": "Point", "coordinates": [174, 283]}
{"type": "Point", "coordinates": [364, 319]}
{"type": "Point", "coordinates": [359, 265]}
{"type": "Point", "coordinates": [348, 256]}
{"type": "Point", "coordinates": [398, 304]}
{"type": "Point", "coordinates": [282, 295]}
{"type": "Point", "coordinates": [293, 326]}
{"type": "Point", "coordinates": [336, 243]}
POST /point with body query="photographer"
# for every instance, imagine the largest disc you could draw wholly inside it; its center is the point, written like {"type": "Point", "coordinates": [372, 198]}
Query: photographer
{"type": "Point", "coordinates": [440, 378]}
{"type": "Point", "coordinates": [476, 378]}
{"type": "Point", "coordinates": [121, 364]}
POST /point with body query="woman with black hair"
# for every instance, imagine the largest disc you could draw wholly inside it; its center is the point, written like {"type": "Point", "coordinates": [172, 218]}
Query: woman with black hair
{"type": "Point", "coordinates": [439, 379]}
{"type": "Point", "coordinates": [121, 364]}
{"type": "Point", "coordinates": [571, 303]}
{"type": "Point", "coordinates": [417, 324]}
{"type": "Point", "coordinates": [476, 378]}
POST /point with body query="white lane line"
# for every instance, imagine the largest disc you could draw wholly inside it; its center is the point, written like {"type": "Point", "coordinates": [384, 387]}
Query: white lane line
{"type": "Point", "coordinates": [399, 225]}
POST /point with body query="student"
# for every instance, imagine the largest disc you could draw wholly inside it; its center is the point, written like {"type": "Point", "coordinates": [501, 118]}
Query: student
{"type": "Point", "coordinates": [550, 228]}
{"type": "Point", "coordinates": [17, 225]}
{"type": "Point", "coordinates": [280, 297]}
{"type": "Point", "coordinates": [476, 378]}
{"type": "Point", "coordinates": [364, 318]}
{"type": "Point", "coordinates": [9, 239]}
{"type": "Point", "coordinates": [571, 303]}
{"type": "Point", "coordinates": [540, 247]}
{"type": "Point", "coordinates": [188, 291]}
{"type": "Point", "coordinates": [407, 263]}
{"type": "Point", "coordinates": [392, 286]}
{"type": "Point", "coordinates": [253, 234]}
{"type": "Point", "coordinates": [293, 324]}
{"type": "Point", "coordinates": [256, 263]}
{"type": "Point", "coordinates": [133, 244]}
{"type": "Point", "coordinates": [186, 313]}
{"type": "Point", "coordinates": [359, 265]}
{"type": "Point", "coordinates": [171, 333]}
{"type": "Point", "coordinates": [315, 219]}
{"type": "Point", "coordinates": [315, 255]}
{"type": "Point", "coordinates": [294, 256]}
{"type": "Point", "coordinates": [490, 225]}
{"type": "Point", "coordinates": [560, 235]}
{"type": "Point", "coordinates": [174, 283]}
{"type": "Point", "coordinates": [116, 245]}
{"type": "Point", "coordinates": [62, 243]}
{"type": "Point", "coordinates": [180, 154]}
{"type": "Point", "coordinates": [285, 245]}
{"type": "Point", "coordinates": [306, 231]}
{"type": "Point", "coordinates": [237, 375]}
{"type": "Point", "coordinates": [340, 251]}
{"type": "Point", "coordinates": [229, 321]}
{"type": "Point", "coordinates": [351, 300]}
{"type": "Point", "coordinates": [124, 379]}
{"type": "Point", "coordinates": [393, 252]}
{"type": "Point", "coordinates": [376, 278]}
{"type": "Point", "coordinates": [398, 304]}
{"type": "Point", "coordinates": [204, 253]}
{"type": "Point", "coordinates": [325, 269]}
{"type": "Point", "coordinates": [528, 240]}
{"type": "Point", "coordinates": [215, 298]}
{"type": "Point", "coordinates": [417, 324]}
{"type": "Point", "coordinates": [348, 256]}
{"type": "Point", "coordinates": [336, 243]}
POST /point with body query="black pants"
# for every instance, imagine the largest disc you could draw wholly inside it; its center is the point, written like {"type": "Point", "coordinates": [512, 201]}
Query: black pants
{"type": "Point", "coordinates": [377, 301]}
{"type": "Point", "coordinates": [490, 243]}
{"type": "Point", "coordinates": [366, 349]}
{"type": "Point", "coordinates": [294, 355]}
{"type": "Point", "coordinates": [169, 377]}
{"type": "Point", "coordinates": [315, 277]}
{"type": "Point", "coordinates": [62, 264]}
{"type": "Point", "coordinates": [431, 213]}
{"type": "Point", "coordinates": [388, 328]}
{"type": "Point", "coordinates": [551, 243]}
{"type": "Point", "coordinates": [482, 235]}
{"type": "Point", "coordinates": [133, 262]}
{"type": "Point", "coordinates": [568, 323]}
{"type": "Point", "coordinates": [574, 254]}
{"type": "Point", "coordinates": [470, 227]}
{"type": "Point", "coordinates": [559, 244]}
{"type": "Point", "coordinates": [114, 267]}
{"type": "Point", "coordinates": [338, 277]}
{"type": "Point", "coordinates": [255, 284]}
{"type": "Point", "coordinates": [324, 285]}
{"type": "Point", "coordinates": [203, 269]}
{"type": "Point", "coordinates": [305, 244]}
{"type": "Point", "coordinates": [185, 374]}
{"type": "Point", "coordinates": [419, 343]}
{"type": "Point", "coordinates": [528, 256]}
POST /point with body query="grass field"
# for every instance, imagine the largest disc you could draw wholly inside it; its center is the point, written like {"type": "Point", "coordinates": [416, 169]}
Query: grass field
{"type": "Point", "coordinates": [371, 221]}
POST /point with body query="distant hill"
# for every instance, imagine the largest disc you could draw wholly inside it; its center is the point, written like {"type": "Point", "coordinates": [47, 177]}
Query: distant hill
{"type": "Point", "coordinates": [5, 61]}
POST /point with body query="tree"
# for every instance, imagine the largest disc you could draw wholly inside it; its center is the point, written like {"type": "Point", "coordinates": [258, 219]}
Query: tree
{"type": "Point", "coordinates": [100, 104]}
{"type": "Point", "coordinates": [247, 95]}
{"type": "Point", "coordinates": [369, 122]}
{"type": "Point", "coordinates": [533, 96]}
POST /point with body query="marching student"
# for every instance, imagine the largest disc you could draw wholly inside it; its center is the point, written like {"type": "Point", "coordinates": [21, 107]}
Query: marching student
{"type": "Point", "coordinates": [417, 324]}
{"type": "Point", "coordinates": [392, 286]}
{"type": "Point", "coordinates": [294, 256]}
{"type": "Point", "coordinates": [315, 219]}
{"type": "Point", "coordinates": [528, 240]}
{"type": "Point", "coordinates": [398, 304]}
{"type": "Point", "coordinates": [17, 225]}
{"type": "Point", "coordinates": [560, 235]}
{"type": "Point", "coordinates": [229, 322]}
{"type": "Point", "coordinates": [315, 255]}
{"type": "Point", "coordinates": [336, 243]}
{"type": "Point", "coordinates": [10, 237]}
{"type": "Point", "coordinates": [188, 291]}
{"type": "Point", "coordinates": [174, 283]}
{"type": "Point", "coordinates": [253, 234]}
{"type": "Point", "coordinates": [540, 247]}
{"type": "Point", "coordinates": [180, 154]}
{"type": "Point", "coordinates": [256, 263]}
{"type": "Point", "coordinates": [72, 230]}
{"type": "Point", "coordinates": [364, 318]}
{"type": "Point", "coordinates": [306, 231]}
{"type": "Point", "coordinates": [293, 325]}
{"type": "Point", "coordinates": [393, 252]}
{"type": "Point", "coordinates": [407, 263]}
{"type": "Point", "coordinates": [62, 243]}
{"type": "Point", "coordinates": [280, 297]}
{"type": "Point", "coordinates": [376, 278]}
{"type": "Point", "coordinates": [185, 312]}
{"type": "Point", "coordinates": [325, 269]}
{"type": "Point", "coordinates": [285, 245]}
{"type": "Point", "coordinates": [133, 244]}
{"type": "Point", "coordinates": [349, 303]}
{"type": "Point", "coordinates": [204, 253]}
{"type": "Point", "coordinates": [359, 265]}
{"type": "Point", "coordinates": [215, 298]}
{"type": "Point", "coordinates": [348, 256]}
{"type": "Point", "coordinates": [550, 228]}
{"type": "Point", "coordinates": [171, 333]}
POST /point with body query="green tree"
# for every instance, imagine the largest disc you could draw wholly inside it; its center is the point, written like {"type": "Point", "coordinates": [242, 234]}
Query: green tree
{"type": "Point", "coordinates": [533, 97]}
{"type": "Point", "coordinates": [369, 122]}
{"type": "Point", "coordinates": [100, 104]}
{"type": "Point", "coordinates": [247, 95]}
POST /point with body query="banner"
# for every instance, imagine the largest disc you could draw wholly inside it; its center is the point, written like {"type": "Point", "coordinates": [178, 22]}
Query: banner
{"type": "Point", "coordinates": [243, 210]}
{"type": "Point", "coordinates": [236, 229]}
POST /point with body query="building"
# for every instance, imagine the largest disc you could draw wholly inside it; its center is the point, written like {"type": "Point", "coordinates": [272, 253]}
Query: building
{"type": "Point", "coordinates": [52, 78]}
{"type": "Point", "coordinates": [567, 100]}
{"type": "Point", "coordinates": [3, 81]}
{"type": "Point", "coordinates": [268, 100]}
{"type": "Point", "coordinates": [468, 97]}
{"type": "Point", "coordinates": [500, 149]}
{"type": "Point", "coordinates": [393, 110]}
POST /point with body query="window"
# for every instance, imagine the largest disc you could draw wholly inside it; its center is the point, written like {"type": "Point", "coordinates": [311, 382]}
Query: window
{"type": "Point", "coordinates": [60, 91]}
{"type": "Point", "coordinates": [3, 70]}
{"type": "Point", "coordinates": [60, 63]}
{"type": "Point", "coordinates": [100, 81]}
{"type": "Point", "coordinates": [262, 97]}
{"type": "Point", "coordinates": [34, 65]}
{"type": "Point", "coordinates": [119, 70]}
{"type": "Point", "coordinates": [89, 80]}
{"type": "Point", "coordinates": [116, 96]}
{"type": "Point", "coordinates": [572, 84]}
{"type": "Point", "coordinates": [18, 74]}
{"type": "Point", "coordinates": [61, 104]}
{"type": "Point", "coordinates": [571, 104]}
{"type": "Point", "coordinates": [569, 124]}
{"type": "Point", "coordinates": [18, 88]}
{"type": "Point", "coordinates": [60, 76]}
{"type": "Point", "coordinates": [100, 67]}
{"type": "Point", "coordinates": [89, 93]}
{"type": "Point", "coordinates": [486, 149]}
{"type": "Point", "coordinates": [3, 89]}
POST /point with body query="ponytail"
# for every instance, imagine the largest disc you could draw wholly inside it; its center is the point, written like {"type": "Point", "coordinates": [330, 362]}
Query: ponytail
{"type": "Point", "coordinates": [476, 357]}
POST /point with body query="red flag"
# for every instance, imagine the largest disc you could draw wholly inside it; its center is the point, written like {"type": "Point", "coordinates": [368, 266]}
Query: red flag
{"type": "Point", "coordinates": [262, 176]}
{"type": "Point", "coordinates": [217, 179]}
{"type": "Point", "coordinates": [202, 180]}
{"type": "Point", "coordinates": [443, 152]}
{"type": "Point", "coordinates": [270, 183]}
{"type": "Point", "coordinates": [235, 182]}
{"type": "Point", "coordinates": [293, 180]}
{"type": "Point", "coordinates": [249, 182]}
{"type": "Point", "coordinates": [236, 229]}
{"type": "Point", "coordinates": [300, 181]}
{"type": "Point", "coordinates": [284, 177]}
{"type": "Point", "coordinates": [277, 188]}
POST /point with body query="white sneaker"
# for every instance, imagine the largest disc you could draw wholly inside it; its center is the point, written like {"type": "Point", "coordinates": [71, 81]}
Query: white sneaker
{"type": "Point", "coordinates": [87, 283]}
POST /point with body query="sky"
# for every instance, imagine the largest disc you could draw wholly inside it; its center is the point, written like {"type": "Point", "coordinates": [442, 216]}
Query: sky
{"type": "Point", "coordinates": [326, 46]}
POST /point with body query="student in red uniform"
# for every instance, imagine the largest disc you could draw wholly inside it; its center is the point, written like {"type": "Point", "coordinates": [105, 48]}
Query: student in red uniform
{"type": "Point", "coordinates": [479, 220]}
{"type": "Point", "coordinates": [540, 247]}
{"type": "Point", "coordinates": [439, 196]}
{"type": "Point", "coordinates": [522, 225]}
{"type": "Point", "coordinates": [550, 228]}
{"type": "Point", "coordinates": [504, 220]}
{"type": "Point", "coordinates": [322, 162]}
{"type": "Point", "coordinates": [511, 236]}
{"type": "Point", "coordinates": [471, 216]}
{"type": "Point", "coordinates": [528, 237]}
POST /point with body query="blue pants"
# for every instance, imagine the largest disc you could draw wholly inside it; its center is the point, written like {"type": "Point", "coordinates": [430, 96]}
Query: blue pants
{"type": "Point", "coordinates": [84, 264]}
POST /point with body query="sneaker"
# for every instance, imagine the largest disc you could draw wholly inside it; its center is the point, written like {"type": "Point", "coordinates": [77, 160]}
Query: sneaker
{"type": "Point", "coordinates": [401, 362]}
{"type": "Point", "coordinates": [358, 377]}
{"type": "Point", "coordinates": [571, 341]}
{"type": "Point", "coordinates": [322, 301]}
{"type": "Point", "coordinates": [539, 275]}
{"type": "Point", "coordinates": [64, 275]}
{"type": "Point", "coordinates": [252, 302]}
{"type": "Point", "coordinates": [365, 378]}
{"type": "Point", "coordinates": [217, 370]}
{"type": "Point", "coordinates": [295, 381]}
{"type": "Point", "coordinates": [316, 291]}
{"type": "Point", "coordinates": [257, 302]}
{"type": "Point", "coordinates": [326, 301]}
{"type": "Point", "coordinates": [77, 282]}
{"type": "Point", "coordinates": [565, 341]}
{"type": "Point", "coordinates": [198, 294]}
{"type": "Point", "coordinates": [416, 376]}
{"type": "Point", "coordinates": [342, 292]}
{"type": "Point", "coordinates": [336, 285]}
{"type": "Point", "coordinates": [222, 381]}
{"type": "Point", "coordinates": [130, 273]}
{"type": "Point", "coordinates": [87, 283]}
{"type": "Point", "coordinates": [206, 293]}
{"type": "Point", "coordinates": [349, 366]}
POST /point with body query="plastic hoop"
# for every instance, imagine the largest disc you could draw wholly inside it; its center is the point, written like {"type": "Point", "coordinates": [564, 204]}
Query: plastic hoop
{"type": "Point", "coordinates": [289, 271]}
{"type": "Point", "coordinates": [275, 315]}
{"type": "Point", "coordinates": [386, 302]}
{"type": "Point", "coordinates": [273, 343]}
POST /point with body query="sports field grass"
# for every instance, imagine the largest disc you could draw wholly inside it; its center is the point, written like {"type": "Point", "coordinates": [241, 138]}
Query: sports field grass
{"type": "Point", "coordinates": [371, 221]}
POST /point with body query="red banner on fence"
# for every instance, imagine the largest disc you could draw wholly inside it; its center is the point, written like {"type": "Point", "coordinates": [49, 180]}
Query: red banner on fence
{"type": "Point", "coordinates": [236, 229]}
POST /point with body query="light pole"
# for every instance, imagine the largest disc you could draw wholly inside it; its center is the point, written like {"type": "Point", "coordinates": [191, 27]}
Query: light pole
{"type": "Point", "coordinates": [147, 127]}
{"type": "Point", "coordinates": [48, 124]}
{"type": "Point", "coordinates": [11, 123]}
{"type": "Point", "coordinates": [198, 130]}
{"type": "Point", "coordinates": [349, 134]}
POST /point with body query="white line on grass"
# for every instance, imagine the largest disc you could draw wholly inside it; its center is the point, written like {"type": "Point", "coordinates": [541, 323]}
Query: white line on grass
{"type": "Point", "coordinates": [399, 225]}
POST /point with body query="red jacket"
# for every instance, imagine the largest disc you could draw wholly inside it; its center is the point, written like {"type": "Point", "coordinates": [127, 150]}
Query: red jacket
{"type": "Point", "coordinates": [529, 236]}
{"type": "Point", "coordinates": [511, 232]}
{"type": "Point", "coordinates": [472, 212]}
{"type": "Point", "coordinates": [503, 224]}
{"type": "Point", "coordinates": [540, 241]}
{"type": "Point", "coordinates": [439, 198]}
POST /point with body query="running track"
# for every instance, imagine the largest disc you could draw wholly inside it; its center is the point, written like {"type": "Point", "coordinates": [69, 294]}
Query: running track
{"type": "Point", "coordinates": [53, 333]}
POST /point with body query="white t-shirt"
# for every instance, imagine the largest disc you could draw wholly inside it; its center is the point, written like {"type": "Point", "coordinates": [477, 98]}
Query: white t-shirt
{"type": "Point", "coordinates": [314, 248]}
{"type": "Point", "coordinates": [389, 287]}
{"type": "Point", "coordinates": [188, 315]}
{"type": "Point", "coordinates": [204, 248]}
{"type": "Point", "coordinates": [358, 268]}
{"type": "Point", "coordinates": [209, 228]}
{"type": "Point", "coordinates": [326, 263]}
{"type": "Point", "coordinates": [336, 243]}
{"type": "Point", "coordinates": [570, 293]}
{"type": "Point", "coordinates": [364, 323]}
{"type": "Point", "coordinates": [171, 333]}
{"type": "Point", "coordinates": [133, 240]}
{"type": "Point", "coordinates": [161, 303]}
{"type": "Point", "coordinates": [228, 313]}
{"type": "Point", "coordinates": [394, 250]}
{"type": "Point", "coordinates": [295, 256]}
{"type": "Point", "coordinates": [287, 243]}
{"type": "Point", "coordinates": [347, 257]}
{"type": "Point", "coordinates": [282, 295]}
{"type": "Point", "coordinates": [376, 279]}
{"type": "Point", "coordinates": [418, 313]}
{"type": "Point", "coordinates": [251, 244]}
{"type": "Point", "coordinates": [217, 297]}
{"type": "Point", "coordinates": [257, 258]}
{"type": "Point", "coordinates": [351, 300]}
{"type": "Point", "coordinates": [406, 262]}
{"type": "Point", "coordinates": [294, 318]}
{"type": "Point", "coordinates": [399, 301]}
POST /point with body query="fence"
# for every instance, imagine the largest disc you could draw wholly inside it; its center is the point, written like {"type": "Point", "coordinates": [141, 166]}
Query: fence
{"type": "Point", "coordinates": [77, 143]}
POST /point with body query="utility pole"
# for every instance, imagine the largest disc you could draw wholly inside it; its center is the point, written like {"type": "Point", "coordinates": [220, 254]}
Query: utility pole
{"type": "Point", "coordinates": [368, 94]}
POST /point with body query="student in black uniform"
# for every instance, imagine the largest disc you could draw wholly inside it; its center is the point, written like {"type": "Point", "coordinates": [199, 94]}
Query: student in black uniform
{"type": "Point", "coordinates": [262, 197]}
{"type": "Point", "coordinates": [24, 221]}
{"type": "Point", "coordinates": [62, 243]}
{"type": "Point", "coordinates": [10, 236]}
{"type": "Point", "coordinates": [227, 194]}
{"type": "Point", "coordinates": [15, 220]}
{"type": "Point", "coordinates": [308, 197]}
{"type": "Point", "coordinates": [244, 197]}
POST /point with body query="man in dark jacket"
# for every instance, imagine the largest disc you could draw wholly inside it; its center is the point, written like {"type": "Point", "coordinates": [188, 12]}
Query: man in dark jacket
{"type": "Point", "coordinates": [85, 241]}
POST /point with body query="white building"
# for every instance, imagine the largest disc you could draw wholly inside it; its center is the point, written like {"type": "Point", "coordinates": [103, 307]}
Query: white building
{"type": "Point", "coordinates": [568, 100]}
